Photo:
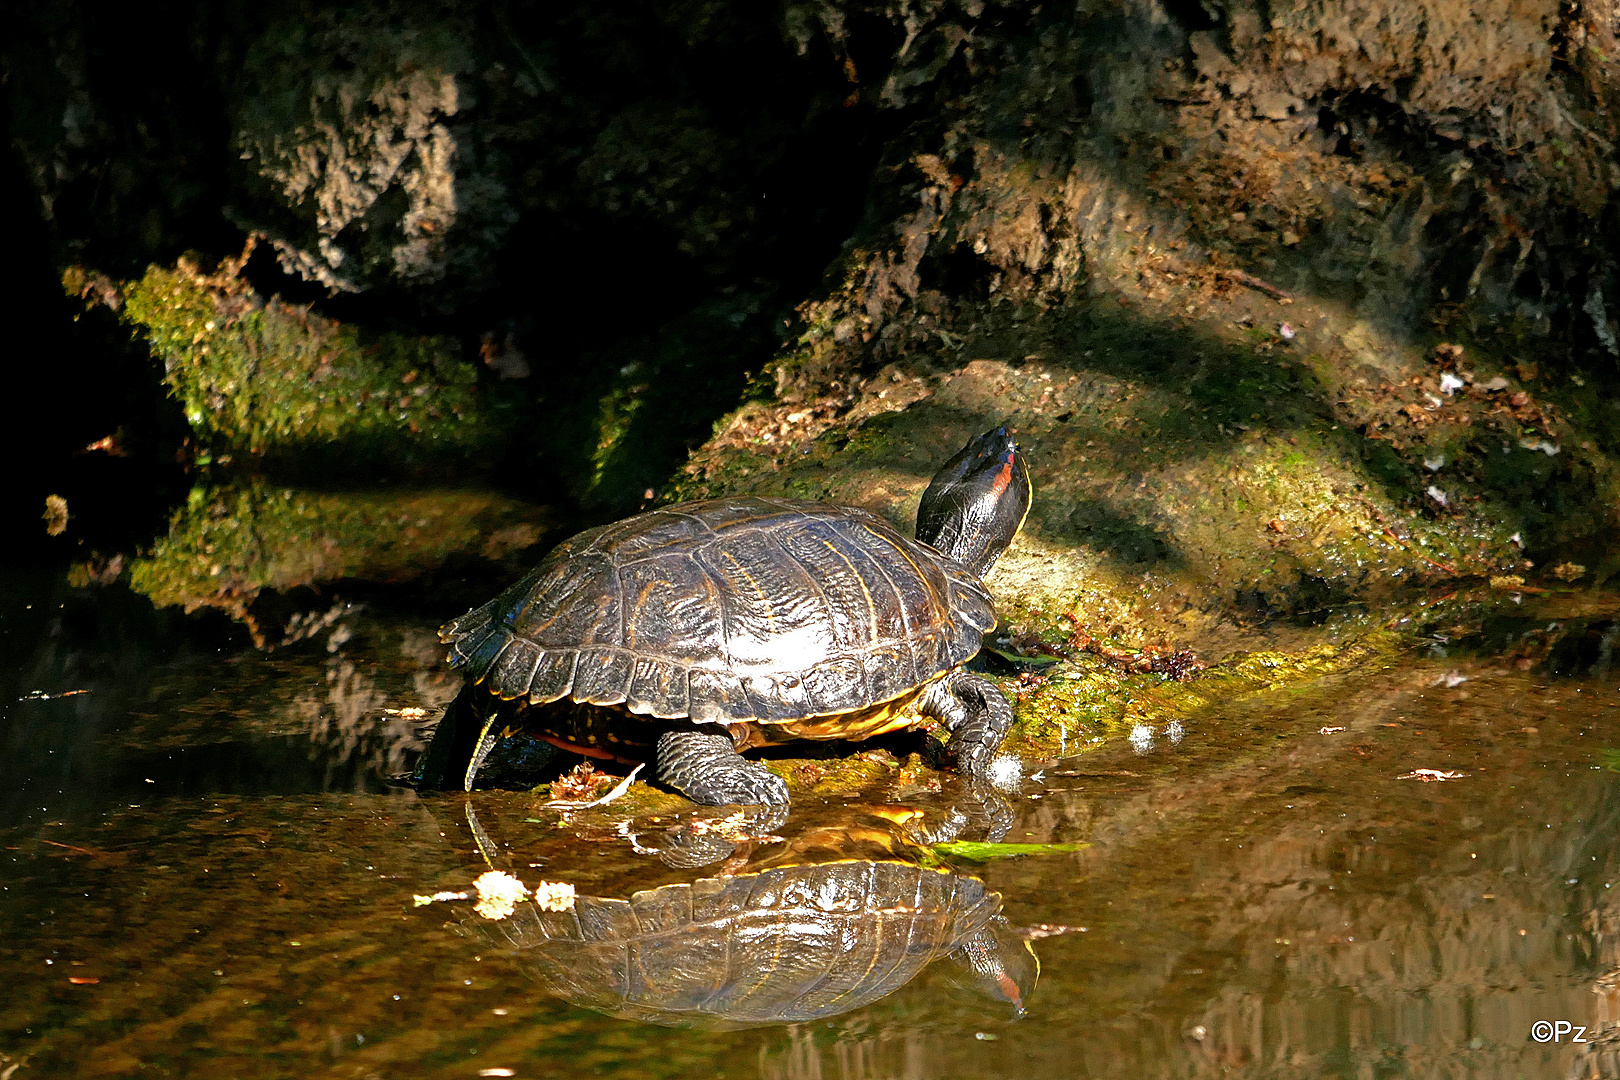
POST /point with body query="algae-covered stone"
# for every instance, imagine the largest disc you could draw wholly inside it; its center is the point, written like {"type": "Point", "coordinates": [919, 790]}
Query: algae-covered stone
{"type": "Point", "coordinates": [276, 379]}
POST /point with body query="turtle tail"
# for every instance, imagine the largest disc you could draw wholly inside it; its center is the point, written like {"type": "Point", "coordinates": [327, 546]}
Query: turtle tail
{"type": "Point", "coordinates": [443, 766]}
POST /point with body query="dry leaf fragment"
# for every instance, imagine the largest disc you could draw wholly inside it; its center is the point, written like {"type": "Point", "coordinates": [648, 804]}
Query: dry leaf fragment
{"type": "Point", "coordinates": [55, 515]}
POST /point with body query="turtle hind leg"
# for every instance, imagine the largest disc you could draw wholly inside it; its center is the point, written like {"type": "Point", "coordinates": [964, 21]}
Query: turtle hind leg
{"type": "Point", "coordinates": [977, 716]}
{"type": "Point", "coordinates": [707, 769]}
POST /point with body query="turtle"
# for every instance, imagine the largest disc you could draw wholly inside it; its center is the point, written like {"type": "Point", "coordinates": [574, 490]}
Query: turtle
{"type": "Point", "coordinates": [848, 912]}
{"type": "Point", "coordinates": [692, 632]}
{"type": "Point", "coordinates": [781, 945]}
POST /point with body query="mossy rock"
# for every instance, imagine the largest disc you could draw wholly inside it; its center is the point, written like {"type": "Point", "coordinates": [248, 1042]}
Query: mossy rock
{"type": "Point", "coordinates": [274, 380]}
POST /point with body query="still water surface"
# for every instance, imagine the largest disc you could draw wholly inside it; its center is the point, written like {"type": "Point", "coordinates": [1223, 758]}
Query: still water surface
{"type": "Point", "coordinates": [207, 870]}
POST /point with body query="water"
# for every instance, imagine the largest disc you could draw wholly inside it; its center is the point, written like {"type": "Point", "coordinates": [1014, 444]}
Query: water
{"type": "Point", "coordinates": [208, 870]}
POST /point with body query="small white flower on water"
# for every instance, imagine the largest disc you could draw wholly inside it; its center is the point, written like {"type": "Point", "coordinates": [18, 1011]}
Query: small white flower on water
{"type": "Point", "coordinates": [1434, 402]}
{"type": "Point", "coordinates": [1516, 539]}
{"type": "Point", "coordinates": [1438, 496]}
{"type": "Point", "coordinates": [1175, 731]}
{"type": "Point", "coordinates": [554, 895]}
{"type": "Point", "coordinates": [1450, 384]}
{"type": "Point", "coordinates": [498, 894]}
{"type": "Point", "coordinates": [1142, 738]}
{"type": "Point", "coordinates": [1286, 331]}
{"type": "Point", "coordinates": [1006, 772]}
{"type": "Point", "coordinates": [1436, 463]}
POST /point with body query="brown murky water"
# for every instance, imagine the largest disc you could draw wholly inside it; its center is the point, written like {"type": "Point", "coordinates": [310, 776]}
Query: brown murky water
{"type": "Point", "coordinates": [206, 871]}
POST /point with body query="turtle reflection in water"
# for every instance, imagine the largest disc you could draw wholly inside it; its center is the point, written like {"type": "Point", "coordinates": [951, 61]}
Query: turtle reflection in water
{"type": "Point", "coordinates": [780, 944]}
{"type": "Point", "coordinates": [687, 634]}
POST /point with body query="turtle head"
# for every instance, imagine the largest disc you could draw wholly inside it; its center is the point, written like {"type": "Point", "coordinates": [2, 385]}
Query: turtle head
{"type": "Point", "coordinates": [975, 504]}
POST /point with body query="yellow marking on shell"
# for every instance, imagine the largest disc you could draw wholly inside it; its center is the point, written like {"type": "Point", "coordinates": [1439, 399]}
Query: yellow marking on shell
{"type": "Point", "coordinates": [634, 616]}
{"type": "Point", "coordinates": [770, 618]}
{"type": "Point", "coordinates": [896, 714]}
{"type": "Point", "coordinates": [921, 575]}
{"type": "Point", "coordinates": [871, 608]}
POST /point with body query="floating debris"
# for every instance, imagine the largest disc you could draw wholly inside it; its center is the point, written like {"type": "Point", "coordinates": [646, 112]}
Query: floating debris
{"type": "Point", "coordinates": [40, 695]}
{"type": "Point", "coordinates": [1436, 463]}
{"type": "Point", "coordinates": [499, 893]}
{"type": "Point", "coordinates": [1330, 730]}
{"type": "Point", "coordinates": [1450, 384]}
{"type": "Point", "coordinates": [1568, 571]}
{"type": "Point", "coordinates": [737, 827]}
{"type": "Point", "coordinates": [1438, 496]}
{"type": "Point", "coordinates": [1431, 776]}
{"type": "Point", "coordinates": [1451, 679]}
{"type": "Point", "coordinates": [1286, 331]}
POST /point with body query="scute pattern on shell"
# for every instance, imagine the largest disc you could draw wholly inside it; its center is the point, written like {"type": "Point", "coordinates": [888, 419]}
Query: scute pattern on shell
{"type": "Point", "coordinates": [728, 611]}
{"type": "Point", "coordinates": [788, 944]}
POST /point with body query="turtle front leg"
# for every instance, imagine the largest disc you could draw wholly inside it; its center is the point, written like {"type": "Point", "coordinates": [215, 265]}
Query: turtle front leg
{"type": "Point", "coordinates": [707, 769]}
{"type": "Point", "coordinates": [977, 716]}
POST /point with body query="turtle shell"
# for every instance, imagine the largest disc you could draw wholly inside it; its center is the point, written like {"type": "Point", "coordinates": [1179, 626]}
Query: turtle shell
{"type": "Point", "coordinates": [821, 619]}
{"type": "Point", "coordinates": [777, 946]}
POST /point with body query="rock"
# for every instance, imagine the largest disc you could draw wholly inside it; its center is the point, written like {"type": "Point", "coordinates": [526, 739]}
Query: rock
{"type": "Point", "coordinates": [1276, 106]}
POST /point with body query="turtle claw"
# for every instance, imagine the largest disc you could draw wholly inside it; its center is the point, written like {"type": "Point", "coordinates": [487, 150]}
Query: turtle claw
{"type": "Point", "coordinates": [707, 769]}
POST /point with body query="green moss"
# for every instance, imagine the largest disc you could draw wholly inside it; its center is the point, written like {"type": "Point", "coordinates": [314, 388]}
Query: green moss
{"type": "Point", "coordinates": [1079, 709]}
{"type": "Point", "coordinates": [272, 378]}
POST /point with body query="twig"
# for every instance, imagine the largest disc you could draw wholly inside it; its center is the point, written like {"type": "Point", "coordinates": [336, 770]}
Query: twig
{"type": "Point", "coordinates": [1253, 282]}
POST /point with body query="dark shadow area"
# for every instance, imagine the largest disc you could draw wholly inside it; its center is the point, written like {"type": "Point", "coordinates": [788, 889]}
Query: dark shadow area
{"type": "Point", "coordinates": [72, 382]}
{"type": "Point", "coordinates": [1134, 544]}
{"type": "Point", "coordinates": [1561, 649]}
{"type": "Point", "coordinates": [689, 179]}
